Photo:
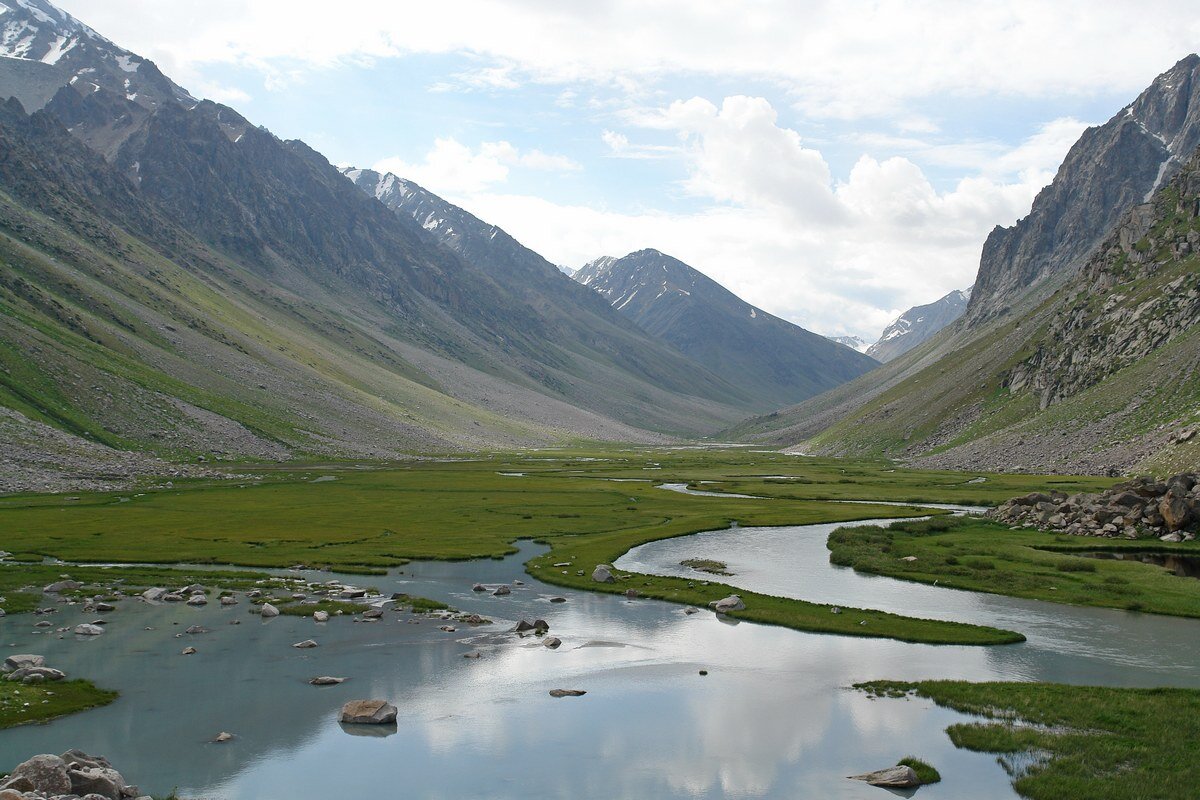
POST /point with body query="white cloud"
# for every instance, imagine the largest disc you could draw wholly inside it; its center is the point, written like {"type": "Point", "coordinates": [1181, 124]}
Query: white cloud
{"type": "Point", "coordinates": [451, 167]}
{"type": "Point", "coordinates": [833, 256]}
{"type": "Point", "coordinates": [836, 253]}
{"type": "Point", "coordinates": [836, 60]}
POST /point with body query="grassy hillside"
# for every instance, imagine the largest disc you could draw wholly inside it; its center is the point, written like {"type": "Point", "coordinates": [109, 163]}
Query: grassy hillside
{"type": "Point", "coordinates": [1100, 376]}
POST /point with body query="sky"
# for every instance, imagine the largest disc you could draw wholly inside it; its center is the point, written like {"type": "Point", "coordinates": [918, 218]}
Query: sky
{"type": "Point", "coordinates": [833, 163]}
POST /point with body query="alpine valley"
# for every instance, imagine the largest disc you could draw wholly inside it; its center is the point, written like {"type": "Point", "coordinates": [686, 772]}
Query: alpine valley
{"type": "Point", "coordinates": [314, 483]}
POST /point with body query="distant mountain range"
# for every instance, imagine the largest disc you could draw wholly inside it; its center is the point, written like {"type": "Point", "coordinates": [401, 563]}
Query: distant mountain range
{"type": "Point", "coordinates": [180, 283]}
{"type": "Point", "coordinates": [778, 361]}
{"type": "Point", "coordinates": [1079, 348]}
{"type": "Point", "coordinates": [853, 342]}
{"type": "Point", "coordinates": [917, 325]}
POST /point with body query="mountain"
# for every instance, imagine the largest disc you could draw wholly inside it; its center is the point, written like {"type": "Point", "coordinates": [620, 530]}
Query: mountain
{"type": "Point", "coordinates": [776, 360]}
{"type": "Point", "coordinates": [992, 390]}
{"type": "Point", "coordinates": [853, 342]}
{"type": "Point", "coordinates": [180, 283]}
{"type": "Point", "coordinates": [1111, 168]}
{"type": "Point", "coordinates": [643, 372]}
{"type": "Point", "coordinates": [917, 325]}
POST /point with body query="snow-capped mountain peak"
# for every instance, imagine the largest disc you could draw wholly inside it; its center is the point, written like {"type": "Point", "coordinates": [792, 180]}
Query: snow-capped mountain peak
{"type": "Point", "coordinates": [918, 324]}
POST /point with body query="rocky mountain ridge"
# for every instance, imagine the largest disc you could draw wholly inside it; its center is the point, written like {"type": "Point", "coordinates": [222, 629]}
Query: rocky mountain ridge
{"type": "Point", "coordinates": [1110, 169]}
{"type": "Point", "coordinates": [777, 360]}
{"type": "Point", "coordinates": [1138, 292]}
{"type": "Point", "coordinates": [853, 342]}
{"type": "Point", "coordinates": [964, 398]}
{"type": "Point", "coordinates": [918, 325]}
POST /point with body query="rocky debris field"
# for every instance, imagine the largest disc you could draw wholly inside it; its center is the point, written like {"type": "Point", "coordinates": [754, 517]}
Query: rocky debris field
{"type": "Point", "coordinates": [1139, 508]}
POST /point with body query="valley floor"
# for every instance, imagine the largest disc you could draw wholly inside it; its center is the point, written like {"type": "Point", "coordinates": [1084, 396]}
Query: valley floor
{"type": "Point", "coordinates": [592, 506]}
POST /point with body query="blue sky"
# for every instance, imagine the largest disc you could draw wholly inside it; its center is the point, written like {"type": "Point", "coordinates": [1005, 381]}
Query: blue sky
{"type": "Point", "coordinates": [833, 163]}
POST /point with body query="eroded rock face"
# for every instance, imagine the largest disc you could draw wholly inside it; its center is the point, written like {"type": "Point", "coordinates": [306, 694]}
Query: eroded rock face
{"type": "Point", "coordinates": [1110, 169]}
{"type": "Point", "coordinates": [368, 712]}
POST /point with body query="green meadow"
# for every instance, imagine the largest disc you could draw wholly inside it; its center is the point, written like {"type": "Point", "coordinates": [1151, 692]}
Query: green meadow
{"type": "Point", "coordinates": [588, 506]}
{"type": "Point", "coordinates": [984, 556]}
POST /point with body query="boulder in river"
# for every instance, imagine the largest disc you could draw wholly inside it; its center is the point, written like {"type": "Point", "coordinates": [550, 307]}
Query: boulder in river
{"type": "Point", "coordinates": [897, 777]}
{"type": "Point", "coordinates": [479, 587]}
{"type": "Point", "coordinates": [320, 616]}
{"type": "Point", "coordinates": [368, 712]}
{"type": "Point", "coordinates": [502, 590]}
{"type": "Point", "coordinates": [267, 611]}
{"type": "Point", "coordinates": [305, 645]}
{"type": "Point", "coordinates": [23, 660]}
{"type": "Point", "coordinates": [326, 680]}
{"type": "Point", "coordinates": [603, 574]}
{"type": "Point", "coordinates": [229, 600]}
{"type": "Point", "coordinates": [62, 586]}
{"type": "Point", "coordinates": [223, 736]}
{"type": "Point", "coordinates": [87, 629]}
{"type": "Point", "coordinates": [197, 600]}
{"type": "Point", "coordinates": [731, 603]}
{"type": "Point", "coordinates": [36, 674]}
{"type": "Point", "coordinates": [188, 651]}
{"type": "Point", "coordinates": [552, 642]}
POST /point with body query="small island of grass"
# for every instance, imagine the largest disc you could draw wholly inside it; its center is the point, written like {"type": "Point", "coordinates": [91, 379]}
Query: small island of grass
{"type": "Point", "coordinates": [1099, 743]}
{"type": "Point", "coordinates": [21, 704]}
{"type": "Point", "coordinates": [926, 772]}
{"type": "Point", "coordinates": [706, 565]}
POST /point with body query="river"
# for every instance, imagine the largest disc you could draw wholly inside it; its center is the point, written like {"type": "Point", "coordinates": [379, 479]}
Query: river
{"type": "Point", "coordinates": [774, 717]}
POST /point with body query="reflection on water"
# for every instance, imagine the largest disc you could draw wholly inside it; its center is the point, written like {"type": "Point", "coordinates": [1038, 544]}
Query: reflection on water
{"type": "Point", "coordinates": [772, 719]}
{"type": "Point", "coordinates": [1180, 565]}
{"type": "Point", "coordinates": [1065, 643]}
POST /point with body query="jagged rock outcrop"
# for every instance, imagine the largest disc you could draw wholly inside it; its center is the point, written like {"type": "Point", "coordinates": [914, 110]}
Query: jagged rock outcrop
{"type": "Point", "coordinates": [1110, 169]}
{"type": "Point", "coordinates": [1137, 293]}
{"type": "Point", "coordinates": [1139, 508]}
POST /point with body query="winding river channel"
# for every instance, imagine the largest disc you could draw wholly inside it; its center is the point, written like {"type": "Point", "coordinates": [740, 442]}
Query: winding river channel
{"type": "Point", "coordinates": [774, 717]}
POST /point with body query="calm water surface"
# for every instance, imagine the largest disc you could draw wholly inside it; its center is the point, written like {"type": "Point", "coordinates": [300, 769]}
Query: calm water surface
{"type": "Point", "coordinates": [773, 719]}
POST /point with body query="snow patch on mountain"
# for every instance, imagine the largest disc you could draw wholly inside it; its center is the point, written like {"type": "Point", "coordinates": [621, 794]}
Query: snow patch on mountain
{"type": "Point", "coordinates": [918, 324]}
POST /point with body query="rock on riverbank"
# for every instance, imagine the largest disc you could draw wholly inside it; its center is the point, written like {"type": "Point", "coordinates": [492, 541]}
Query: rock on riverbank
{"type": "Point", "coordinates": [73, 773]}
{"type": "Point", "coordinates": [1135, 509]}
